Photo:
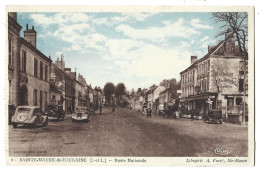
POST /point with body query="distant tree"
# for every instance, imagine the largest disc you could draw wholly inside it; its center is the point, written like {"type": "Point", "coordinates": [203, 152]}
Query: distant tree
{"type": "Point", "coordinates": [109, 89]}
{"type": "Point", "coordinates": [120, 90]}
{"type": "Point", "coordinates": [132, 93]}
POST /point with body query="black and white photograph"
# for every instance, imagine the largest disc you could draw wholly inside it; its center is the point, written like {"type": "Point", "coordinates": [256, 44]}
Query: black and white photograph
{"type": "Point", "coordinates": [130, 85]}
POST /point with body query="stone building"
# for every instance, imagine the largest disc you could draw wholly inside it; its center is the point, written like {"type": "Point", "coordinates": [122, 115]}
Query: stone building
{"type": "Point", "coordinates": [13, 57]}
{"type": "Point", "coordinates": [34, 72]}
{"type": "Point", "coordinates": [63, 81]}
{"type": "Point", "coordinates": [214, 81]}
{"type": "Point", "coordinates": [80, 91]}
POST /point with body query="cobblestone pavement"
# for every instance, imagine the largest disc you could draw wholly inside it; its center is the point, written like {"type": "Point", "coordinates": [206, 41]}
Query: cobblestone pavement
{"type": "Point", "coordinates": [128, 133]}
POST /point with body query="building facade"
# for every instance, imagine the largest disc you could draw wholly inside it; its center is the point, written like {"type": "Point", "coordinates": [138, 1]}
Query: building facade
{"type": "Point", "coordinates": [34, 72]}
{"type": "Point", "coordinates": [13, 59]}
{"type": "Point", "coordinates": [214, 81]}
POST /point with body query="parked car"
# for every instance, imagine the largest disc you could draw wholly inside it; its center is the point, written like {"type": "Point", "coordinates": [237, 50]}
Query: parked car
{"type": "Point", "coordinates": [30, 116]}
{"type": "Point", "coordinates": [81, 114]}
{"type": "Point", "coordinates": [214, 116]}
{"type": "Point", "coordinates": [55, 112]}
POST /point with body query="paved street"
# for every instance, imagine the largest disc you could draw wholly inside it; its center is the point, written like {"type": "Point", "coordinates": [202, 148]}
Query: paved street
{"type": "Point", "coordinates": [128, 133]}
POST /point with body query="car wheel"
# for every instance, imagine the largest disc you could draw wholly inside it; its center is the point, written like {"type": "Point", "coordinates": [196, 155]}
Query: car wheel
{"type": "Point", "coordinates": [15, 125]}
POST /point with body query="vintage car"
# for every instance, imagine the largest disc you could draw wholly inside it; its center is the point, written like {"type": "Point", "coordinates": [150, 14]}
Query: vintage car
{"type": "Point", "coordinates": [214, 116]}
{"type": "Point", "coordinates": [169, 110]}
{"type": "Point", "coordinates": [55, 112]}
{"type": "Point", "coordinates": [81, 114]}
{"type": "Point", "coordinates": [29, 116]}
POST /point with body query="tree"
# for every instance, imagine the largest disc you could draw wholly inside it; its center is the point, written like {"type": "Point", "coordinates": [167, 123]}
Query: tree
{"type": "Point", "coordinates": [109, 89]}
{"type": "Point", "coordinates": [132, 93]}
{"type": "Point", "coordinates": [120, 90]}
{"type": "Point", "coordinates": [237, 24]}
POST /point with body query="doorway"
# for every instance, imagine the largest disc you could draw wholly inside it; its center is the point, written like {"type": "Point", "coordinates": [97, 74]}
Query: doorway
{"type": "Point", "coordinates": [23, 95]}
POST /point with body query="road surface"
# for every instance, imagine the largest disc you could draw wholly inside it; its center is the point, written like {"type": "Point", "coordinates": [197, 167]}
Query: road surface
{"type": "Point", "coordinates": [128, 133]}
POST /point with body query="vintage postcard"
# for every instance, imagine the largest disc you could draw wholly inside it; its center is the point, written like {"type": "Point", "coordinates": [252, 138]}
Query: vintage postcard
{"type": "Point", "coordinates": [130, 86]}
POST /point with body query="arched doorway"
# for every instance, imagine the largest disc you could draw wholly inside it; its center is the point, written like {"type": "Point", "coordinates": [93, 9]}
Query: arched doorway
{"type": "Point", "coordinates": [23, 95]}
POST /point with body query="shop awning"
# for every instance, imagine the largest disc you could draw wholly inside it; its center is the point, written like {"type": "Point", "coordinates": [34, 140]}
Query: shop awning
{"type": "Point", "coordinates": [202, 96]}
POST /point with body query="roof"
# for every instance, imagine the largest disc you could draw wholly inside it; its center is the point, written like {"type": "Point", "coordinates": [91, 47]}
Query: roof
{"type": "Point", "coordinates": [27, 44]}
{"type": "Point", "coordinates": [166, 90]}
{"type": "Point", "coordinates": [65, 74]}
{"type": "Point", "coordinates": [203, 58]}
{"type": "Point", "coordinates": [151, 90]}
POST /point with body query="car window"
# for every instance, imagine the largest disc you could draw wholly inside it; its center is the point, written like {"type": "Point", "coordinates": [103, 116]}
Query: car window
{"type": "Point", "coordinates": [37, 111]}
{"type": "Point", "coordinates": [24, 110]}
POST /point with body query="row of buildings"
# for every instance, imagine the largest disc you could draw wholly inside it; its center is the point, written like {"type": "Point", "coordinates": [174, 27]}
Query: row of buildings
{"type": "Point", "coordinates": [35, 80]}
{"type": "Point", "coordinates": [219, 80]}
{"type": "Point", "coordinates": [168, 91]}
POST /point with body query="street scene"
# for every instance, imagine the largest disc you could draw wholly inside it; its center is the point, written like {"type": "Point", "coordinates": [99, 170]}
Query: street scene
{"type": "Point", "coordinates": [127, 133]}
{"type": "Point", "coordinates": [128, 84]}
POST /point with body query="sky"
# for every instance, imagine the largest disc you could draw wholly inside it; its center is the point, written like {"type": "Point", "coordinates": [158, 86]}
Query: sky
{"type": "Point", "coordinates": [138, 49]}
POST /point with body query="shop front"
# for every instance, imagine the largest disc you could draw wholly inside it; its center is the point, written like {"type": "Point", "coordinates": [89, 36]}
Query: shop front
{"type": "Point", "coordinates": [200, 104]}
{"type": "Point", "coordinates": [234, 111]}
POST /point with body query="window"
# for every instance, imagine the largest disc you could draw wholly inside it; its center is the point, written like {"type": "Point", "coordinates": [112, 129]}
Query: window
{"type": "Point", "coordinates": [10, 62]}
{"type": "Point", "coordinates": [53, 97]}
{"type": "Point", "coordinates": [35, 67]}
{"type": "Point", "coordinates": [35, 97]}
{"type": "Point", "coordinates": [41, 70]}
{"type": "Point", "coordinates": [208, 65]}
{"type": "Point", "coordinates": [41, 100]}
{"type": "Point", "coordinates": [46, 99]}
{"type": "Point", "coordinates": [241, 85]}
{"type": "Point", "coordinates": [238, 101]}
{"type": "Point", "coordinates": [24, 61]}
{"type": "Point", "coordinates": [46, 72]}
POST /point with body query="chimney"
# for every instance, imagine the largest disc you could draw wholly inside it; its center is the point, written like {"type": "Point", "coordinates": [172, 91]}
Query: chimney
{"type": "Point", "coordinates": [60, 64]}
{"type": "Point", "coordinates": [193, 59]}
{"type": "Point", "coordinates": [229, 43]}
{"type": "Point", "coordinates": [210, 48]}
{"type": "Point", "coordinates": [30, 35]}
